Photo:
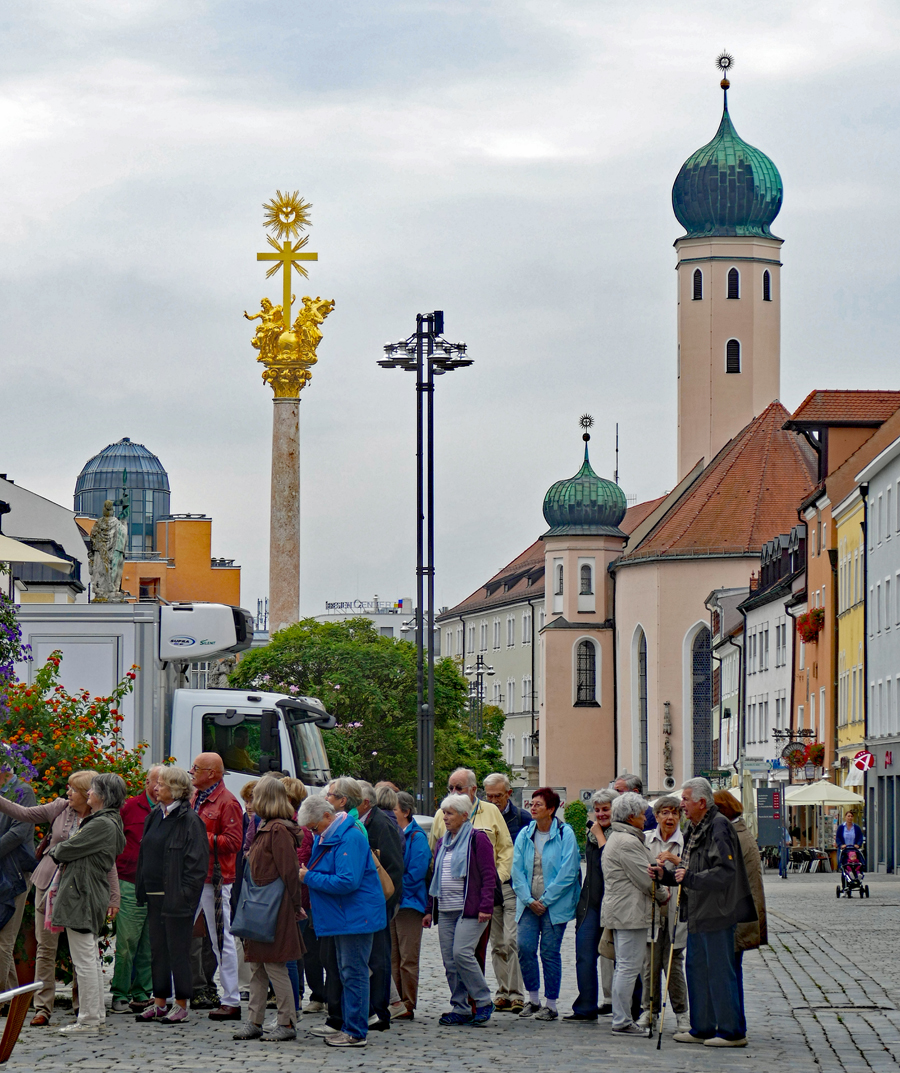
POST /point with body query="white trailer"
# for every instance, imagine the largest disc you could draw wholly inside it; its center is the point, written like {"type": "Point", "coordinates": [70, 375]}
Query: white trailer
{"type": "Point", "coordinates": [253, 731]}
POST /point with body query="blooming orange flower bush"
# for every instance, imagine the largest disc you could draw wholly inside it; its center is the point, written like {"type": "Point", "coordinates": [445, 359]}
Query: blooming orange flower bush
{"type": "Point", "coordinates": [48, 733]}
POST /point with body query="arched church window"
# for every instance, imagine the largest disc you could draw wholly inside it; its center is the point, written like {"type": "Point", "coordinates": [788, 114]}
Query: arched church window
{"type": "Point", "coordinates": [734, 283]}
{"type": "Point", "coordinates": [559, 579]}
{"type": "Point", "coordinates": [767, 286]}
{"type": "Point", "coordinates": [698, 285]}
{"type": "Point", "coordinates": [587, 588]}
{"type": "Point", "coordinates": [643, 709]}
{"type": "Point", "coordinates": [701, 701]}
{"type": "Point", "coordinates": [732, 356]}
{"type": "Point", "coordinates": [586, 671]}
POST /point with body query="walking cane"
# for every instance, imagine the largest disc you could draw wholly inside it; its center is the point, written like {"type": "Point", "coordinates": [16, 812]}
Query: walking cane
{"type": "Point", "coordinates": [662, 1012]}
{"type": "Point", "coordinates": [652, 957]}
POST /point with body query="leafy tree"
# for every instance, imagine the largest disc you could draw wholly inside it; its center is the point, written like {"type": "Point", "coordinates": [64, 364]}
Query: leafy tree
{"type": "Point", "coordinates": [368, 682]}
{"type": "Point", "coordinates": [576, 818]}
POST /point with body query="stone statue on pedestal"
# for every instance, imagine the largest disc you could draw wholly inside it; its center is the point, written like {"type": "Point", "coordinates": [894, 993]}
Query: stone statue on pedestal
{"type": "Point", "coordinates": [108, 539]}
{"type": "Point", "coordinates": [217, 675]}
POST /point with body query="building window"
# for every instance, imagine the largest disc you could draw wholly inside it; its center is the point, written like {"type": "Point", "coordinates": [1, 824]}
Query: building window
{"type": "Point", "coordinates": [732, 356]}
{"type": "Point", "coordinates": [148, 588]}
{"type": "Point", "coordinates": [541, 620]}
{"type": "Point", "coordinates": [510, 631]}
{"type": "Point", "coordinates": [643, 710]}
{"type": "Point", "coordinates": [199, 673]}
{"type": "Point", "coordinates": [459, 641]}
{"type": "Point", "coordinates": [767, 286]}
{"type": "Point", "coordinates": [701, 701]}
{"type": "Point", "coordinates": [559, 579]}
{"type": "Point", "coordinates": [496, 633]}
{"type": "Point", "coordinates": [587, 588]}
{"type": "Point", "coordinates": [471, 638]}
{"type": "Point", "coordinates": [526, 628]}
{"type": "Point", "coordinates": [698, 285]}
{"type": "Point", "coordinates": [734, 283]}
{"type": "Point", "coordinates": [586, 671]}
{"type": "Point", "coordinates": [525, 750]}
{"type": "Point", "coordinates": [527, 698]}
{"type": "Point", "coordinates": [388, 631]}
{"type": "Point", "coordinates": [510, 749]}
{"type": "Point", "coordinates": [483, 637]}
{"type": "Point", "coordinates": [510, 696]}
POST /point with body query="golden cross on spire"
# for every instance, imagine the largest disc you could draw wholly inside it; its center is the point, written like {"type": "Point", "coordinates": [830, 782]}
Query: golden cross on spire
{"type": "Point", "coordinates": [287, 214]}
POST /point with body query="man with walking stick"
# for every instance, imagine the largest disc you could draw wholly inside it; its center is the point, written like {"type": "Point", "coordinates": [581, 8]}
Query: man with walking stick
{"type": "Point", "coordinates": [716, 898]}
{"type": "Point", "coordinates": [666, 845]}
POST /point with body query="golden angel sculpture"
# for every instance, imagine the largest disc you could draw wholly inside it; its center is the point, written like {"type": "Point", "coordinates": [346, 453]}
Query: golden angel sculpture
{"type": "Point", "coordinates": [288, 350]}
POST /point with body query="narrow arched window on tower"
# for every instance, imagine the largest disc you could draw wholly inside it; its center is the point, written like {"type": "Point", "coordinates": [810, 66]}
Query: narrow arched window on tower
{"type": "Point", "coordinates": [559, 579]}
{"type": "Point", "coordinates": [587, 588]}
{"type": "Point", "coordinates": [698, 285]}
{"type": "Point", "coordinates": [732, 356]}
{"type": "Point", "coordinates": [586, 669]}
{"type": "Point", "coordinates": [734, 283]}
{"type": "Point", "coordinates": [767, 286]}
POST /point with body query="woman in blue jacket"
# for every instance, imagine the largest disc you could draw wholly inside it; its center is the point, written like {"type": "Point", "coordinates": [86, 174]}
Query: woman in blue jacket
{"type": "Point", "coordinates": [347, 903]}
{"type": "Point", "coordinates": [849, 833]}
{"type": "Point", "coordinates": [406, 927]}
{"type": "Point", "coordinates": [546, 876]}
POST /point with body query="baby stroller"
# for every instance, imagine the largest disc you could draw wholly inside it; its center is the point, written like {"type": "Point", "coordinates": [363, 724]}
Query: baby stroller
{"type": "Point", "coordinates": [853, 874]}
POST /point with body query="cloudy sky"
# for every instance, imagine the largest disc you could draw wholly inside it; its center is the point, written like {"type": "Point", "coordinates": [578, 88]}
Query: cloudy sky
{"type": "Point", "coordinates": [508, 161]}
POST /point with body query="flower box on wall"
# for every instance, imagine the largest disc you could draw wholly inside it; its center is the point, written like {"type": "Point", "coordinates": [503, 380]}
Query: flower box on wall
{"type": "Point", "coordinates": [810, 625]}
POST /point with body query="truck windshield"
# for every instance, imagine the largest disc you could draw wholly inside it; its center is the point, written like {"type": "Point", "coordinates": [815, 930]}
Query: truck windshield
{"type": "Point", "coordinates": [309, 753]}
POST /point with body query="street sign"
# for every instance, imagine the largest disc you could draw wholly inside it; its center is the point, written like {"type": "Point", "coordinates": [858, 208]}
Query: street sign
{"type": "Point", "coordinates": [770, 811]}
{"type": "Point", "coordinates": [586, 796]}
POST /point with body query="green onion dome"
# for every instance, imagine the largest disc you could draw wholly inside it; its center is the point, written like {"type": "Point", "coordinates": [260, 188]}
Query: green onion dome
{"type": "Point", "coordinates": [727, 187]}
{"type": "Point", "coordinates": [584, 503]}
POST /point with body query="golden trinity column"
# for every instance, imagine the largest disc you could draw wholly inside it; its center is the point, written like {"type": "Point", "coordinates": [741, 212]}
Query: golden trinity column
{"type": "Point", "coordinates": [288, 352]}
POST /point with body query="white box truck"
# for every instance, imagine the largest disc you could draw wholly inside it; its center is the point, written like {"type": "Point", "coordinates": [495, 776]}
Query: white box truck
{"type": "Point", "coordinates": [253, 731]}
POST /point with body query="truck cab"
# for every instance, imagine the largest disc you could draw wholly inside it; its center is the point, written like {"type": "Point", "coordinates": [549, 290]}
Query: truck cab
{"type": "Point", "coordinates": [254, 732]}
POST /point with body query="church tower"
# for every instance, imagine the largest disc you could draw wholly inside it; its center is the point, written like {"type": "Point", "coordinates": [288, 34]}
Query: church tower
{"type": "Point", "coordinates": [729, 290]}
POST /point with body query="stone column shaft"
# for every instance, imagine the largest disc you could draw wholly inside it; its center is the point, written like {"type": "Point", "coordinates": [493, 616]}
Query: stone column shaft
{"type": "Point", "coordinates": [284, 527]}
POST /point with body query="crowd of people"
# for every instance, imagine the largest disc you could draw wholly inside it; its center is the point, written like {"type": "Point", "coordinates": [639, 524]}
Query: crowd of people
{"type": "Point", "coordinates": [333, 892]}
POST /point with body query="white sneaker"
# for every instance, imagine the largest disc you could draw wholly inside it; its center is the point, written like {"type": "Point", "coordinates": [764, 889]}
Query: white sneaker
{"type": "Point", "coordinates": [314, 1007]}
{"type": "Point", "coordinates": [683, 1022]}
{"type": "Point", "coordinates": [644, 1020]}
{"type": "Point", "coordinates": [324, 1031]}
{"type": "Point", "coordinates": [78, 1029]}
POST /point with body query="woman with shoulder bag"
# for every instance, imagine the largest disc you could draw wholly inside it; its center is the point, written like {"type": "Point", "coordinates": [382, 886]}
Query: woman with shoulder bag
{"type": "Point", "coordinates": [64, 815]}
{"type": "Point", "coordinates": [172, 864]}
{"type": "Point", "coordinates": [273, 859]}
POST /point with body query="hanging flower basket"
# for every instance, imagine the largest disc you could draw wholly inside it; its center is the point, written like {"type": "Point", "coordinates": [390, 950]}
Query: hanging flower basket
{"type": "Point", "coordinates": [815, 753]}
{"type": "Point", "coordinates": [810, 624]}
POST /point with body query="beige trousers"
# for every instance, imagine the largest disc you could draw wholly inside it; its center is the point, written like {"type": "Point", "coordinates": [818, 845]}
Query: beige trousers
{"type": "Point", "coordinates": [504, 953]}
{"type": "Point", "coordinates": [263, 972]}
{"type": "Point", "coordinates": [8, 940]}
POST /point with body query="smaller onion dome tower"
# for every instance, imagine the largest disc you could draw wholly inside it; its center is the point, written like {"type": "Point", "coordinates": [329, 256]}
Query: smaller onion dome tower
{"type": "Point", "coordinates": [726, 196]}
{"type": "Point", "coordinates": [576, 735]}
{"type": "Point", "coordinates": [135, 480]}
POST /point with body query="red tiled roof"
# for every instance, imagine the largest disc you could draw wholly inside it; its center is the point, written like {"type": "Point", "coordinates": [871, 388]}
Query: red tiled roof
{"type": "Point", "coordinates": [748, 493]}
{"type": "Point", "coordinates": [508, 584]}
{"type": "Point", "coordinates": [636, 514]}
{"type": "Point", "coordinates": [846, 407]}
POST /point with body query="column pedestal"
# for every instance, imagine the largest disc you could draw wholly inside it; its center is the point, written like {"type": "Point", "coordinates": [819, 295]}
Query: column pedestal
{"type": "Point", "coordinates": [284, 526]}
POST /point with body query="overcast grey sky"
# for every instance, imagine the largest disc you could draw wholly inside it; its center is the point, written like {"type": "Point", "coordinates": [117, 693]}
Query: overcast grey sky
{"type": "Point", "coordinates": [508, 161]}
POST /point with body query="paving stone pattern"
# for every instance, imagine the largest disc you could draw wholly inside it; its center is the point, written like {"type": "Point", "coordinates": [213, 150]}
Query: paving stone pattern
{"type": "Point", "coordinates": [822, 998]}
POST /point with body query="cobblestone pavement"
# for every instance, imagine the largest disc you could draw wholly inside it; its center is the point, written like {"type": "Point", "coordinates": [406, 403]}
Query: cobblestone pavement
{"type": "Point", "coordinates": [822, 998]}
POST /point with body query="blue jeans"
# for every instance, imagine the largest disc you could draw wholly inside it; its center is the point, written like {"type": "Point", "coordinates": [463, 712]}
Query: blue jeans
{"type": "Point", "coordinates": [587, 940]}
{"type": "Point", "coordinates": [712, 985]}
{"type": "Point", "coordinates": [294, 975]}
{"type": "Point", "coordinates": [352, 955]}
{"type": "Point", "coordinates": [537, 930]}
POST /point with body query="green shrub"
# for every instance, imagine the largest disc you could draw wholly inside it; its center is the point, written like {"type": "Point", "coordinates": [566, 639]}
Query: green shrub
{"type": "Point", "coordinates": [576, 818]}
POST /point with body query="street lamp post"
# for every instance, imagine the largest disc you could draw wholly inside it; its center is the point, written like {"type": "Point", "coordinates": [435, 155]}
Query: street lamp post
{"type": "Point", "coordinates": [427, 354]}
{"type": "Point", "coordinates": [479, 670]}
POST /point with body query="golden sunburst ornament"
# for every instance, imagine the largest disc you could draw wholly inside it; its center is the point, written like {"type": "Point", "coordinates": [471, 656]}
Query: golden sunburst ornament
{"type": "Point", "coordinates": [287, 214]}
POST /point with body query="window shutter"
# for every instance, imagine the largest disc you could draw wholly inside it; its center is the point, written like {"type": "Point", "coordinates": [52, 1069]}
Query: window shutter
{"type": "Point", "coordinates": [734, 283]}
{"type": "Point", "coordinates": [698, 285]}
{"type": "Point", "coordinates": [732, 356]}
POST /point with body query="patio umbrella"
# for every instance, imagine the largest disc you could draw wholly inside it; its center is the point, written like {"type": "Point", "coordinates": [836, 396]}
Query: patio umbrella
{"type": "Point", "coordinates": [824, 792]}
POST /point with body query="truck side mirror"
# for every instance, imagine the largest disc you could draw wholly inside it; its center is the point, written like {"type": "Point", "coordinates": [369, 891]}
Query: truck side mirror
{"type": "Point", "coordinates": [268, 741]}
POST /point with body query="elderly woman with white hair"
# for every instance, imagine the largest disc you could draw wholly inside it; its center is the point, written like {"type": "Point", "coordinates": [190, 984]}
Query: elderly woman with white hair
{"type": "Point", "coordinates": [171, 869]}
{"type": "Point", "coordinates": [348, 905]}
{"type": "Point", "coordinates": [627, 902]}
{"type": "Point", "coordinates": [461, 898]}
